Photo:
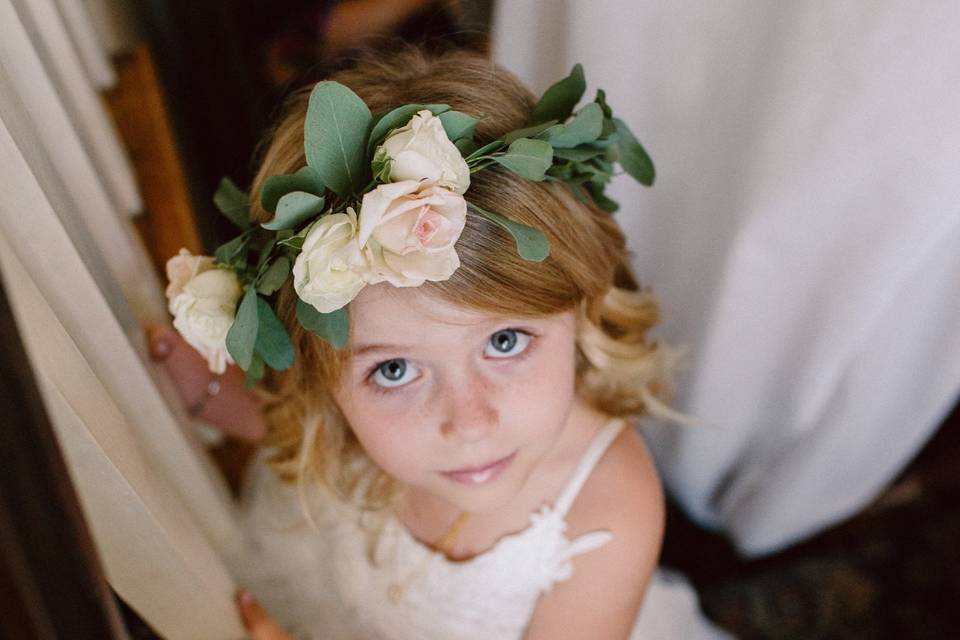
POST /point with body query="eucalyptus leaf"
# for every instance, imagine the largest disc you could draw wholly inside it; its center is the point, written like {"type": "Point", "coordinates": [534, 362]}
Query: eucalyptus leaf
{"type": "Point", "coordinates": [255, 372]}
{"type": "Point", "coordinates": [272, 342]}
{"type": "Point", "coordinates": [397, 118]}
{"type": "Point", "coordinates": [601, 100]}
{"type": "Point", "coordinates": [381, 165]}
{"type": "Point", "coordinates": [458, 125]}
{"type": "Point", "coordinates": [231, 251]}
{"type": "Point", "coordinates": [274, 277]}
{"type": "Point", "coordinates": [608, 128]}
{"type": "Point", "coordinates": [528, 158]}
{"type": "Point", "coordinates": [242, 335]}
{"type": "Point", "coordinates": [335, 137]}
{"type": "Point", "coordinates": [294, 242]}
{"type": "Point", "coordinates": [293, 209]}
{"type": "Point", "coordinates": [488, 148]}
{"type": "Point", "coordinates": [528, 132]}
{"type": "Point", "coordinates": [275, 187]}
{"type": "Point", "coordinates": [233, 203]}
{"type": "Point", "coordinates": [264, 253]}
{"type": "Point", "coordinates": [334, 327]}
{"type": "Point", "coordinates": [532, 245]}
{"type": "Point", "coordinates": [466, 146]}
{"type": "Point", "coordinates": [585, 127]}
{"type": "Point", "coordinates": [600, 199]}
{"type": "Point", "coordinates": [633, 157]}
{"type": "Point", "coordinates": [558, 102]}
{"type": "Point", "coordinates": [579, 154]}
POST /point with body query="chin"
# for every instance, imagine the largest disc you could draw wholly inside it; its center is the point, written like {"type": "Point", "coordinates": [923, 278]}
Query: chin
{"type": "Point", "coordinates": [485, 498]}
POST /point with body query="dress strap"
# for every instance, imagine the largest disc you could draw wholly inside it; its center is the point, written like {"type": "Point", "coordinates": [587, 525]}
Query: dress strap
{"type": "Point", "coordinates": [601, 442]}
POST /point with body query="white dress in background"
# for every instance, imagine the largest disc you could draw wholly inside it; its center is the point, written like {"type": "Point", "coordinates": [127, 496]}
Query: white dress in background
{"type": "Point", "coordinates": [320, 583]}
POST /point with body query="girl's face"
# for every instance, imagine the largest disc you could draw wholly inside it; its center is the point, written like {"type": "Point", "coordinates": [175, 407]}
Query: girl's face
{"type": "Point", "coordinates": [452, 403]}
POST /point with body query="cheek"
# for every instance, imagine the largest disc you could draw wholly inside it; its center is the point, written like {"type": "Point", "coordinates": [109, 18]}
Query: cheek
{"type": "Point", "coordinates": [386, 438]}
{"type": "Point", "coordinates": [542, 399]}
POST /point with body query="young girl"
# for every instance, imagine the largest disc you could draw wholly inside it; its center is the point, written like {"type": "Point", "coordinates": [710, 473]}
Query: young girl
{"type": "Point", "coordinates": [464, 467]}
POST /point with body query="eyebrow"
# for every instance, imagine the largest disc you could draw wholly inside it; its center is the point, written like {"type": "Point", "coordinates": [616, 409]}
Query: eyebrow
{"type": "Point", "coordinates": [366, 349]}
{"type": "Point", "coordinates": [373, 348]}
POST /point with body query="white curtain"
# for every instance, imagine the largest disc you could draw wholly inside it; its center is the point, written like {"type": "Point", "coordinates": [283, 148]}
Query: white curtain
{"type": "Point", "coordinates": [802, 234]}
{"type": "Point", "coordinates": [80, 285]}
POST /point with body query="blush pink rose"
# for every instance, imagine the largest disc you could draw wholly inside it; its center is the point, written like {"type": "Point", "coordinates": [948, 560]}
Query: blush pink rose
{"type": "Point", "coordinates": [408, 234]}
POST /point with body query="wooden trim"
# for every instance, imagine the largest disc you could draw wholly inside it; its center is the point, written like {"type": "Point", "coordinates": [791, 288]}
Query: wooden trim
{"type": "Point", "coordinates": [142, 118]}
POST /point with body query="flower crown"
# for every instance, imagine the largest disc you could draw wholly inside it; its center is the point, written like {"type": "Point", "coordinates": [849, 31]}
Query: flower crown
{"type": "Point", "coordinates": [380, 200]}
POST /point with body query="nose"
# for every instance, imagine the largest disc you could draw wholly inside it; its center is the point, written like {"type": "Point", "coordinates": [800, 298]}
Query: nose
{"type": "Point", "coordinates": [470, 409]}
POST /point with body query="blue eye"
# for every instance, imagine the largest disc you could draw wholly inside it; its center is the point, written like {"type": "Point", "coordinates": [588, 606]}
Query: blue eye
{"type": "Point", "coordinates": [394, 373]}
{"type": "Point", "coordinates": [507, 343]}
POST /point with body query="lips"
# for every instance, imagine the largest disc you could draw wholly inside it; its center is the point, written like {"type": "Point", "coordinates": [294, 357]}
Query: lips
{"type": "Point", "coordinates": [482, 474]}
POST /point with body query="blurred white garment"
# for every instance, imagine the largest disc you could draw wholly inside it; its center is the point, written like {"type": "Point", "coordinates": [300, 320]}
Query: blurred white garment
{"type": "Point", "coordinates": [802, 235]}
{"type": "Point", "coordinates": [336, 580]}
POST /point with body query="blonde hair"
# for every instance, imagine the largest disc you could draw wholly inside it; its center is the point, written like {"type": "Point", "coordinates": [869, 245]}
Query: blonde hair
{"type": "Point", "coordinates": [620, 370]}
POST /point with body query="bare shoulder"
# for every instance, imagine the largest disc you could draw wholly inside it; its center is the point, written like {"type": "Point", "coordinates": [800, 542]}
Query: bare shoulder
{"type": "Point", "coordinates": [624, 482]}
{"type": "Point", "coordinates": [623, 495]}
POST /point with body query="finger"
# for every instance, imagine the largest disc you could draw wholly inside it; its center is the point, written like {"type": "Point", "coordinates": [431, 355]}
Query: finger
{"type": "Point", "coordinates": [256, 620]}
{"type": "Point", "coordinates": [160, 340]}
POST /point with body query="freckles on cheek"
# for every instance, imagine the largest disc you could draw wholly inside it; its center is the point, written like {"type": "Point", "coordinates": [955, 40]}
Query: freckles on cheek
{"type": "Point", "coordinates": [387, 437]}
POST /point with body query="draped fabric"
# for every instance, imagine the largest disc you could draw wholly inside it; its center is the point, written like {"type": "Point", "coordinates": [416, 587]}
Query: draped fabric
{"type": "Point", "coordinates": [80, 285]}
{"type": "Point", "coordinates": [801, 236]}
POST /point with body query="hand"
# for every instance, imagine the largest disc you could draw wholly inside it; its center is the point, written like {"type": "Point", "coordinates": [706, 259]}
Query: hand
{"type": "Point", "coordinates": [255, 619]}
{"type": "Point", "coordinates": [232, 408]}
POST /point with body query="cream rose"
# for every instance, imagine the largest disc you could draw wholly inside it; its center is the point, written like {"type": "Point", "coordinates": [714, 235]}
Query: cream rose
{"type": "Point", "coordinates": [204, 310]}
{"type": "Point", "coordinates": [408, 235]}
{"type": "Point", "coordinates": [420, 150]}
{"type": "Point", "coordinates": [330, 270]}
{"type": "Point", "coordinates": [181, 268]}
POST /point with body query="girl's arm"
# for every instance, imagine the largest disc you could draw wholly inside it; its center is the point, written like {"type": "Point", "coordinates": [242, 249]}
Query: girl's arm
{"type": "Point", "coordinates": [234, 409]}
{"type": "Point", "coordinates": [603, 597]}
{"type": "Point", "coordinates": [256, 621]}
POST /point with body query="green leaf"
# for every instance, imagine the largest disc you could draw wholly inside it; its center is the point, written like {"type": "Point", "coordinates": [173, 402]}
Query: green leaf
{"type": "Point", "coordinates": [528, 132]}
{"type": "Point", "coordinates": [600, 199]}
{"type": "Point", "coordinates": [381, 165]}
{"type": "Point", "coordinates": [579, 154]}
{"type": "Point", "coordinates": [275, 187]}
{"type": "Point", "coordinates": [242, 335]}
{"type": "Point", "coordinates": [335, 137]}
{"type": "Point", "coordinates": [490, 147]}
{"type": "Point", "coordinates": [272, 343]}
{"type": "Point", "coordinates": [397, 118]}
{"type": "Point", "coordinates": [601, 100]}
{"type": "Point", "coordinates": [293, 209]}
{"type": "Point", "coordinates": [255, 372]}
{"type": "Point", "coordinates": [528, 158]}
{"type": "Point", "coordinates": [559, 100]}
{"type": "Point", "coordinates": [458, 125]}
{"type": "Point", "coordinates": [274, 277]}
{"type": "Point", "coordinates": [466, 146]}
{"type": "Point", "coordinates": [633, 157]}
{"type": "Point", "coordinates": [608, 129]}
{"type": "Point", "coordinates": [334, 327]}
{"type": "Point", "coordinates": [233, 203]}
{"type": "Point", "coordinates": [532, 245]}
{"type": "Point", "coordinates": [232, 251]}
{"type": "Point", "coordinates": [585, 127]}
{"type": "Point", "coordinates": [295, 242]}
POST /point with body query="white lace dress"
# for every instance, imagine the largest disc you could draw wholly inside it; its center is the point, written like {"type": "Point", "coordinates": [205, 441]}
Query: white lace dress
{"type": "Point", "coordinates": [329, 582]}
